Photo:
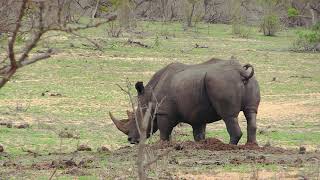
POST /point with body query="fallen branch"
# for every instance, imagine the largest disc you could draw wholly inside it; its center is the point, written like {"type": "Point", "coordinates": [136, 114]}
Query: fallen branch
{"type": "Point", "coordinates": [138, 43]}
{"type": "Point", "coordinates": [199, 46]}
{"type": "Point", "coordinates": [98, 47]}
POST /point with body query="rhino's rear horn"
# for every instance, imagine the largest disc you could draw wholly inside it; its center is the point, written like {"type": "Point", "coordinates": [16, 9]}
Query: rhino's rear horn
{"type": "Point", "coordinates": [122, 125]}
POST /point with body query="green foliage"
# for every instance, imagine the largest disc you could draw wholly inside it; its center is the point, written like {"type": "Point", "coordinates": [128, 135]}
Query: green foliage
{"type": "Point", "coordinates": [308, 40]}
{"type": "Point", "coordinates": [292, 12]}
{"type": "Point", "coordinates": [270, 24]}
{"type": "Point", "coordinates": [316, 27]}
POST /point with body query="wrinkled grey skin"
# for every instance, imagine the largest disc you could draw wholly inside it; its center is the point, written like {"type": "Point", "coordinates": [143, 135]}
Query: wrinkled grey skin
{"type": "Point", "coordinates": [200, 94]}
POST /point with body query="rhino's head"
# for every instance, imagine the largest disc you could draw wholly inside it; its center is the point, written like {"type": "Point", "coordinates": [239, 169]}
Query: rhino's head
{"type": "Point", "coordinates": [129, 126]}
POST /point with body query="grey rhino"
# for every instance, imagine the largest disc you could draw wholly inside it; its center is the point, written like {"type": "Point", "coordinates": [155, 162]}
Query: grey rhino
{"type": "Point", "coordinates": [197, 95]}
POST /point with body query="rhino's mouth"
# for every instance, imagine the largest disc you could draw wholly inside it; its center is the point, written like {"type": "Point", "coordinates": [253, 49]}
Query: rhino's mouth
{"type": "Point", "coordinates": [133, 141]}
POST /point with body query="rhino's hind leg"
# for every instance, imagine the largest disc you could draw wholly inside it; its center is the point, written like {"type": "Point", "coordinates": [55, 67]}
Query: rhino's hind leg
{"type": "Point", "coordinates": [233, 129]}
{"type": "Point", "coordinates": [251, 127]}
{"type": "Point", "coordinates": [199, 132]}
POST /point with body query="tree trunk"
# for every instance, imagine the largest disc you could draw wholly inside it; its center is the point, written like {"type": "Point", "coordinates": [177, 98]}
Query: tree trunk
{"type": "Point", "coordinates": [191, 15]}
{"type": "Point", "coordinates": [314, 14]}
{"type": "Point", "coordinates": [95, 10]}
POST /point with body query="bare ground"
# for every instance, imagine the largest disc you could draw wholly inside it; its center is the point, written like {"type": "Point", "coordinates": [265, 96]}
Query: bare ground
{"type": "Point", "coordinates": [208, 155]}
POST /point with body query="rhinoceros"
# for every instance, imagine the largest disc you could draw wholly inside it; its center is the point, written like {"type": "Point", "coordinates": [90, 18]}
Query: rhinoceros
{"type": "Point", "coordinates": [197, 94]}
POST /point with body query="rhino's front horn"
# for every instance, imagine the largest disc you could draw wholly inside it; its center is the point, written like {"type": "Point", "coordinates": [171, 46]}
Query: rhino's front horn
{"type": "Point", "coordinates": [121, 125]}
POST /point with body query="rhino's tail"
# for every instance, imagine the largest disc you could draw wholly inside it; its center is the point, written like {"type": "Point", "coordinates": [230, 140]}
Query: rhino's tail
{"type": "Point", "coordinates": [244, 73]}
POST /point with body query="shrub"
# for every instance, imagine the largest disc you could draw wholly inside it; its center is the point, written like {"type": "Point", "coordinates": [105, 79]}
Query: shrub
{"type": "Point", "coordinates": [270, 25]}
{"type": "Point", "coordinates": [307, 41]}
{"type": "Point", "coordinates": [292, 12]}
{"type": "Point", "coordinates": [114, 29]}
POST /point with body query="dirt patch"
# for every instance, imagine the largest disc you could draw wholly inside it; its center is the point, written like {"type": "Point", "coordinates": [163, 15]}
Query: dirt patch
{"type": "Point", "coordinates": [236, 175]}
{"type": "Point", "coordinates": [214, 152]}
{"type": "Point", "coordinates": [285, 110]}
{"type": "Point", "coordinates": [214, 144]}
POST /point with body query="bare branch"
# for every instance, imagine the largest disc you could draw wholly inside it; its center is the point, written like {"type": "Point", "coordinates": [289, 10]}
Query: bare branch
{"type": "Point", "coordinates": [127, 92]}
{"type": "Point", "coordinates": [37, 36]}
{"type": "Point", "coordinates": [131, 102]}
{"type": "Point", "coordinates": [88, 26]}
{"type": "Point", "coordinates": [148, 164]}
{"type": "Point", "coordinates": [36, 58]}
{"type": "Point", "coordinates": [14, 35]}
{"type": "Point", "coordinates": [98, 47]}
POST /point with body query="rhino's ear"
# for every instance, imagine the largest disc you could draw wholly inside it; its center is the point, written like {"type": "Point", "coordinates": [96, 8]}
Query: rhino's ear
{"type": "Point", "coordinates": [139, 87]}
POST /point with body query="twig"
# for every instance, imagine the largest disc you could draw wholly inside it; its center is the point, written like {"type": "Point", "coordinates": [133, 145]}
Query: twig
{"type": "Point", "coordinates": [98, 47]}
{"type": "Point", "coordinates": [53, 173]}
{"type": "Point", "coordinates": [88, 26]}
{"type": "Point", "coordinates": [131, 102]}
{"type": "Point", "coordinates": [148, 164]}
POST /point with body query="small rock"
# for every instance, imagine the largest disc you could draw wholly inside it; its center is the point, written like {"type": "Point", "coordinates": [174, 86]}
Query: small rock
{"type": "Point", "coordinates": [84, 147]}
{"type": "Point", "coordinates": [22, 126]}
{"type": "Point", "coordinates": [70, 163]}
{"type": "Point", "coordinates": [103, 149]}
{"type": "Point", "coordinates": [274, 78]}
{"type": "Point", "coordinates": [302, 150]}
{"type": "Point", "coordinates": [1, 148]}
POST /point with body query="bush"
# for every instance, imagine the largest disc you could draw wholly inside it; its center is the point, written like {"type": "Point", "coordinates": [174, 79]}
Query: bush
{"type": "Point", "coordinates": [292, 12]}
{"type": "Point", "coordinates": [270, 25]}
{"type": "Point", "coordinates": [308, 41]}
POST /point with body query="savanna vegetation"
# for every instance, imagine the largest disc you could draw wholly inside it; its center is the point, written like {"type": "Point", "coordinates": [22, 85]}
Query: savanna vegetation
{"type": "Point", "coordinates": [54, 121]}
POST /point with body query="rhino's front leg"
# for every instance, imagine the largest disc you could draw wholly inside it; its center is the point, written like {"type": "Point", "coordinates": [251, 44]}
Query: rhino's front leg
{"type": "Point", "coordinates": [165, 127]}
{"type": "Point", "coordinates": [199, 132]}
{"type": "Point", "coordinates": [251, 127]}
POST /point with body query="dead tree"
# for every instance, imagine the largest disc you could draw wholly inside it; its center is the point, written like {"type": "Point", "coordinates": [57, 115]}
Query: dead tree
{"type": "Point", "coordinates": [148, 117]}
{"type": "Point", "coordinates": [36, 18]}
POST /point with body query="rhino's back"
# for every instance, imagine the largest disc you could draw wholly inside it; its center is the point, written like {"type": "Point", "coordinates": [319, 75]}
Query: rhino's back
{"type": "Point", "coordinates": [189, 94]}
